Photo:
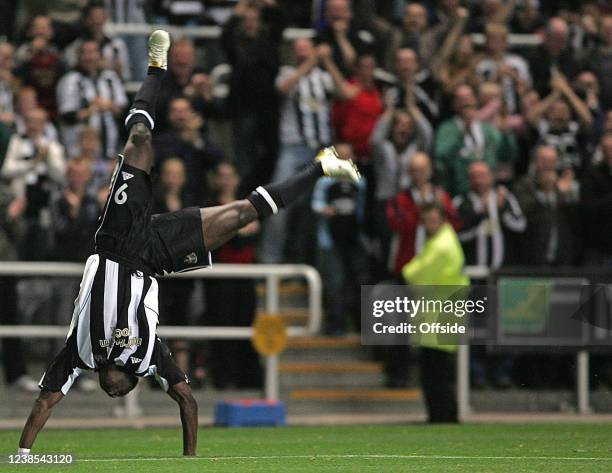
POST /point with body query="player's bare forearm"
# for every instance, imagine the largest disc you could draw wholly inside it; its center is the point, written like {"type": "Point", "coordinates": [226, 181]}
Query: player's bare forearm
{"type": "Point", "coordinates": [188, 407]}
{"type": "Point", "coordinates": [41, 411]}
{"type": "Point", "coordinates": [189, 420]}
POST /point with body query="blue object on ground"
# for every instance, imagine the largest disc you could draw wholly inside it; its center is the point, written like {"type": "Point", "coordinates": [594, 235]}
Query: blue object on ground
{"type": "Point", "coordinates": [249, 412]}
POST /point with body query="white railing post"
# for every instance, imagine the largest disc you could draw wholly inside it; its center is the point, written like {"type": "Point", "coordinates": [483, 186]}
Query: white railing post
{"type": "Point", "coordinates": [582, 382]}
{"type": "Point", "coordinates": [132, 406]}
{"type": "Point", "coordinates": [463, 354]}
{"type": "Point", "coordinates": [272, 387]}
{"type": "Point", "coordinates": [463, 379]}
{"type": "Point", "coordinates": [272, 382]}
{"type": "Point", "coordinates": [315, 295]}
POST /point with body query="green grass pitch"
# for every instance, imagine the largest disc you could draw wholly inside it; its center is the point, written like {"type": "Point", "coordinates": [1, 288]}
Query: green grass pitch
{"type": "Point", "coordinates": [541, 448]}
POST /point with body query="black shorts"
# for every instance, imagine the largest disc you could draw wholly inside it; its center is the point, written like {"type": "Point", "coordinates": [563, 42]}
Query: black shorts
{"type": "Point", "coordinates": [153, 244]}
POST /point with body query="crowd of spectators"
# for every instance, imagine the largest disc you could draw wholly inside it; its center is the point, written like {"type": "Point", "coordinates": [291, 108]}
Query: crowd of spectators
{"type": "Point", "coordinates": [431, 99]}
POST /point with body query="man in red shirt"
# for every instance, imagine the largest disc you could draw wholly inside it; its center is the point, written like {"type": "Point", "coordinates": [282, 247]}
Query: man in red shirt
{"type": "Point", "coordinates": [403, 212]}
{"type": "Point", "coordinates": [355, 117]}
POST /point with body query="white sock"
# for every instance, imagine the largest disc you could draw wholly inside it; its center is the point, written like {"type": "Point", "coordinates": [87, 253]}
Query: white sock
{"type": "Point", "coordinates": [23, 451]}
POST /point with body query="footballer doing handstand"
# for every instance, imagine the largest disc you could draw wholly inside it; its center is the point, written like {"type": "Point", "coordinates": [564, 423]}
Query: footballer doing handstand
{"type": "Point", "coordinates": [116, 312]}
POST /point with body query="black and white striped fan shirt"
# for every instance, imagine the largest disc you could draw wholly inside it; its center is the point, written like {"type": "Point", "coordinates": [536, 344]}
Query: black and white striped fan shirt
{"type": "Point", "coordinates": [112, 50]}
{"type": "Point", "coordinates": [6, 98]}
{"type": "Point", "coordinates": [76, 91]}
{"type": "Point", "coordinates": [306, 109]}
{"type": "Point", "coordinates": [485, 227]}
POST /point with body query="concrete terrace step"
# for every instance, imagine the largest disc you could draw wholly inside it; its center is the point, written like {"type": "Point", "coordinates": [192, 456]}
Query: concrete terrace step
{"type": "Point", "coordinates": [322, 348]}
{"type": "Point", "coordinates": [289, 288]}
{"type": "Point", "coordinates": [326, 367]}
{"type": "Point", "coordinates": [352, 395]}
{"type": "Point", "coordinates": [291, 316]}
{"type": "Point", "coordinates": [339, 362]}
{"type": "Point", "coordinates": [313, 343]}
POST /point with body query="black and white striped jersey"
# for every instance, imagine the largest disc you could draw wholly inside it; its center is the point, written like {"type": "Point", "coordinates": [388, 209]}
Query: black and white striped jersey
{"type": "Point", "coordinates": [116, 312]}
{"type": "Point", "coordinates": [114, 321]}
{"type": "Point", "coordinates": [115, 316]}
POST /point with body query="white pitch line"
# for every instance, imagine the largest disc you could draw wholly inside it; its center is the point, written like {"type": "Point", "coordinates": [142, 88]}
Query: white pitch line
{"type": "Point", "coordinates": [346, 456]}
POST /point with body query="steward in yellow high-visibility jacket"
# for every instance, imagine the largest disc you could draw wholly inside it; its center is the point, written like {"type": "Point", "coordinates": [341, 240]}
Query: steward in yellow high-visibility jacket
{"type": "Point", "coordinates": [440, 262]}
{"type": "Point", "coordinates": [436, 274]}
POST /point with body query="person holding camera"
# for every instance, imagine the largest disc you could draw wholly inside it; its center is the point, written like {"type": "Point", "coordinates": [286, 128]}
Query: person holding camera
{"type": "Point", "coordinates": [34, 165]}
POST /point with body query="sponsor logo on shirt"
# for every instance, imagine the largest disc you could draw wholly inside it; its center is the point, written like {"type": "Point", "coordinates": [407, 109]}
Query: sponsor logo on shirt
{"type": "Point", "coordinates": [191, 258]}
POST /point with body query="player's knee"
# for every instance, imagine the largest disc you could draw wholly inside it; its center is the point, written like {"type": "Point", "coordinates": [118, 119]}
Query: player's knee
{"type": "Point", "coordinates": [189, 399]}
{"type": "Point", "coordinates": [43, 403]}
{"type": "Point", "coordinates": [191, 403]}
{"type": "Point", "coordinates": [140, 135]}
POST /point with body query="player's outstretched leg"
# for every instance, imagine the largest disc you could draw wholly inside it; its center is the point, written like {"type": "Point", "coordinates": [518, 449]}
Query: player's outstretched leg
{"type": "Point", "coordinates": [138, 150]}
{"type": "Point", "coordinates": [221, 223]}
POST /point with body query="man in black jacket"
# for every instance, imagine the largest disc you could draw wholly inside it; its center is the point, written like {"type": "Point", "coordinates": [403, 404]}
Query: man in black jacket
{"type": "Point", "coordinates": [13, 360]}
{"type": "Point", "coordinates": [553, 54]}
{"type": "Point", "coordinates": [596, 196]}
{"type": "Point", "coordinates": [548, 200]}
{"type": "Point", "coordinates": [251, 40]}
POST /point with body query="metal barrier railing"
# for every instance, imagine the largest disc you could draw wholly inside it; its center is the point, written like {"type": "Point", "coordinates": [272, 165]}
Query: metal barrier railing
{"type": "Point", "coordinates": [272, 274]}
{"type": "Point", "coordinates": [463, 364]}
{"type": "Point", "coordinates": [289, 34]}
{"type": "Point", "coordinates": [214, 32]}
